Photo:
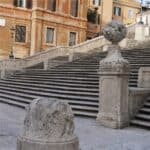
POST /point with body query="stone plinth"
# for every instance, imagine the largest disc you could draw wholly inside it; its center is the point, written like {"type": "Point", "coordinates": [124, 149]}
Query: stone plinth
{"type": "Point", "coordinates": [48, 126]}
{"type": "Point", "coordinates": [114, 72]}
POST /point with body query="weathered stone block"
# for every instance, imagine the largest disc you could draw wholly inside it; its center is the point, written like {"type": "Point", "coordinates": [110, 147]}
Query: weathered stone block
{"type": "Point", "coordinates": [48, 126]}
{"type": "Point", "coordinates": [144, 77]}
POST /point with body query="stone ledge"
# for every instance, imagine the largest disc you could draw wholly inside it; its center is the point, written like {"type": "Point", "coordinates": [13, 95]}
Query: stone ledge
{"type": "Point", "coordinates": [137, 97]}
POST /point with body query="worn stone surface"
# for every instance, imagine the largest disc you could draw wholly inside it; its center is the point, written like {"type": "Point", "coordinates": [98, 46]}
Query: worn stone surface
{"type": "Point", "coordinates": [91, 135]}
{"type": "Point", "coordinates": [115, 32]}
{"type": "Point", "coordinates": [114, 62]}
{"type": "Point", "coordinates": [48, 125]}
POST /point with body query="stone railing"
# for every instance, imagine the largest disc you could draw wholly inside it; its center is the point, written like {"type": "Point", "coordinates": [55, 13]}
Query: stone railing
{"type": "Point", "coordinates": [137, 97]}
{"type": "Point", "coordinates": [7, 67]}
{"type": "Point", "coordinates": [90, 45]}
{"type": "Point", "coordinates": [11, 65]}
{"type": "Point", "coordinates": [18, 64]}
{"type": "Point", "coordinates": [87, 46]}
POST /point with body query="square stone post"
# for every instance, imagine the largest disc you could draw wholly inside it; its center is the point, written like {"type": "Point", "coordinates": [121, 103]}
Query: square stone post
{"type": "Point", "coordinates": [140, 32]}
{"type": "Point", "coordinates": [113, 91]}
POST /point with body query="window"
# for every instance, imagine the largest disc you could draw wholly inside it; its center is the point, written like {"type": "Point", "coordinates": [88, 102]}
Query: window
{"type": "Point", "coordinates": [50, 35]}
{"type": "Point", "coordinates": [72, 39]}
{"type": "Point", "coordinates": [74, 8]}
{"type": "Point", "coordinates": [97, 2]}
{"type": "Point", "coordinates": [20, 3]}
{"type": "Point", "coordinates": [51, 5]}
{"type": "Point", "coordinates": [20, 35]}
{"type": "Point", "coordinates": [23, 3]}
{"type": "Point", "coordinates": [117, 11]}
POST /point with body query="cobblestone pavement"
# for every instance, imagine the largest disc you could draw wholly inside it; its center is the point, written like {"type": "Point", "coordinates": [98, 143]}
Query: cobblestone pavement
{"type": "Point", "coordinates": [91, 136]}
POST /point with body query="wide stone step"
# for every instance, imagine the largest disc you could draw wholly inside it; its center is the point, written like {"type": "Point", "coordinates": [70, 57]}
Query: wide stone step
{"type": "Point", "coordinates": [96, 60]}
{"type": "Point", "coordinates": [74, 72]}
{"type": "Point", "coordinates": [83, 66]}
{"type": "Point", "coordinates": [147, 105]}
{"type": "Point", "coordinates": [3, 92]}
{"type": "Point", "coordinates": [145, 110]}
{"type": "Point", "coordinates": [37, 86]}
{"type": "Point", "coordinates": [58, 77]}
{"type": "Point", "coordinates": [92, 74]}
{"type": "Point", "coordinates": [28, 93]}
{"type": "Point", "coordinates": [16, 98]}
{"type": "Point", "coordinates": [144, 117]}
{"type": "Point", "coordinates": [88, 108]}
{"type": "Point", "coordinates": [47, 91]}
{"type": "Point", "coordinates": [54, 83]}
{"type": "Point", "coordinates": [85, 114]}
{"type": "Point", "coordinates": [12, 102]}
{"type": "Point", "coordinates": [139, 123]}
{"type": "Point", "coordinates": [51, 81]}
{"type": "Point", "coordinates": [71, 69]}
{"type": "Point", "coordinates": [77, 110]}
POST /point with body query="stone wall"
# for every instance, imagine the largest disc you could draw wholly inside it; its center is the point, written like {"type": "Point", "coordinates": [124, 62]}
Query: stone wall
{"type": "Point", "coordinates": [137, 97]}
{"type": "Point", "coordinates": [36, 21]}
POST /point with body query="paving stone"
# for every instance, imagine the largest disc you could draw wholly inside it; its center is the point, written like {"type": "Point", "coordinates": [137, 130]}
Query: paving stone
{"type": "Point", "coordinates": [91, 135]}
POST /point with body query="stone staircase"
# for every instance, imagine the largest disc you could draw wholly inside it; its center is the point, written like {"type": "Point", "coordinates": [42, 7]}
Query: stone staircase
{"type": "Point", "coordinates": [142, 119]}
{"type": "Point", "coordinates": [75, 82]}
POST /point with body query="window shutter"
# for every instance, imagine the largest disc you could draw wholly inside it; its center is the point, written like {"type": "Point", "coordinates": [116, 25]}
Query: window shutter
{"type": "Point", "coordinates": [29, 4]}
{"type": "Point", "coordinates": [72, 40]}
{"type": "Point", "coordinates": [51, 5]}
{"type": "Point", "coordinates": [15, 3]}
{"type": "Point", "coordinates": [50, 35]}
{"type": "Point", "coordinates": [74, 8]}
{"type": "Point", "coordinates": [20, 35]}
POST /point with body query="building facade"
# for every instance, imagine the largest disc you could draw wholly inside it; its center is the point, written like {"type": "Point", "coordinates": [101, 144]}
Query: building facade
{"type": "Point", "coordinates": [40, 24]}
{"type": "Point", "coordinates": [126, 10]}
{"type": "Point", "coordinates": [104, 11]}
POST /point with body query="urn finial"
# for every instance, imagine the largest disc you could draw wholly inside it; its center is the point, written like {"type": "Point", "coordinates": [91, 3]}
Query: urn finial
{"type": "Point", "coordinates": [114, 32]}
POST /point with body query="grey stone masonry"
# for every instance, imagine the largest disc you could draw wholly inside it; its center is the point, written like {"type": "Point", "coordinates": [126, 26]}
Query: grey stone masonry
{"type": "Point", "coordinates": [114, 73]}
{"type": "Point", "coordinates": [48, 125]}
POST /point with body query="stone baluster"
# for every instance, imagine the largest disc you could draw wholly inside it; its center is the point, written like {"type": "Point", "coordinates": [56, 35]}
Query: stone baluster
{"type": "Point", "coordinates": [114, 73]}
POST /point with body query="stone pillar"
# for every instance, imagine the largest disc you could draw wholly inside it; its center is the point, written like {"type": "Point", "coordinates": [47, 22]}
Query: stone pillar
{"type": "Point", "coordinates": [114, 72]}
{"type": "Point", "coordinates": [48, 126]}
{"type": "Point", "coordinates": [36, 29]}
{"type": "Point", "coordinates": [140, 32]}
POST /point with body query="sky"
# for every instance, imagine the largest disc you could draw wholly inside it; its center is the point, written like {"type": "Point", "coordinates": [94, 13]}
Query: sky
{"type": "Point", "coordinates": [144, 1]}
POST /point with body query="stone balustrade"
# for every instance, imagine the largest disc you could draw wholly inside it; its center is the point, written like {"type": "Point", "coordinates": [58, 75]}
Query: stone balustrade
{"type": "Point", "coordinates": [7, 67]}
